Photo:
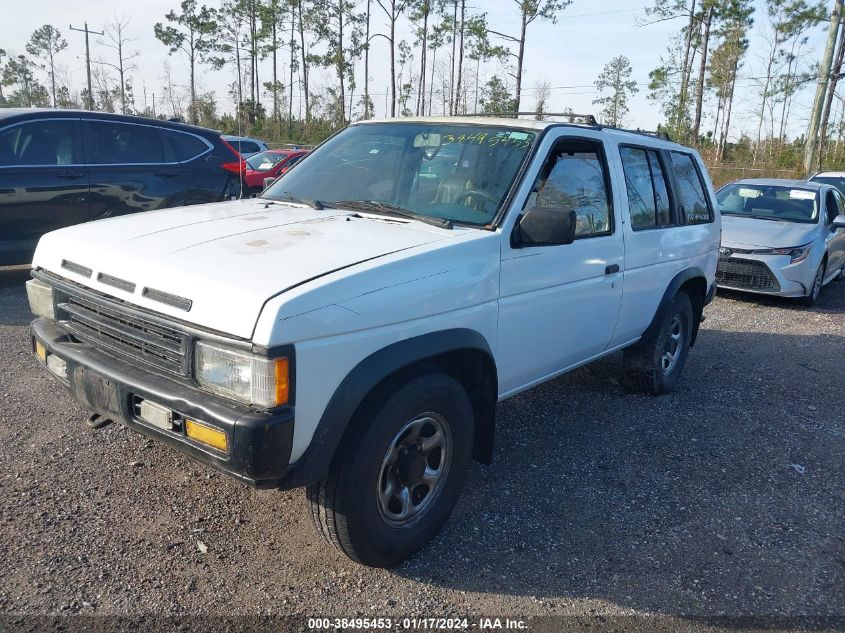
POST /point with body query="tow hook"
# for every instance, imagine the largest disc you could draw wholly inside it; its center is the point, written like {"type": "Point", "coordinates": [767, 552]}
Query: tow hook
{"type": "Point", "coordinates": [97, 421]}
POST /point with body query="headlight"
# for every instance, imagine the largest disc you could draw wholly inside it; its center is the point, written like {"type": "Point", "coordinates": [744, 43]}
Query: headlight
{"type": "Point", "coordinates": [264, 382]}
{"type": "Point", "coordinates": [40, 297]}
{"type": "Point", "coordinates": [796, 254]}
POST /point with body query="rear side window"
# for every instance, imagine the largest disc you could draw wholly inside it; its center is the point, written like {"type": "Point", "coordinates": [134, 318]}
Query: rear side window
{"type": "Point", "coordinates": [648, 196]}
{"type": "Point", "coordinates": [691, 190]}
{"type": "Point", "coordinates": [123, 143]}
{"type": "Point", "coordinates": [181, 147]}
{"type": "Point", "coordinates": [41, 143]}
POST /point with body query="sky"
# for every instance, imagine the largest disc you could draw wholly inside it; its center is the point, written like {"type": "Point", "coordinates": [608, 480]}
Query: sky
{"type": "Point", "coordinates": [569, 54]}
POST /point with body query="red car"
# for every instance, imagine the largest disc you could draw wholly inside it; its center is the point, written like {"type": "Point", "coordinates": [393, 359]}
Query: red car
{"type": "Point", "coordinates": [271, 163]}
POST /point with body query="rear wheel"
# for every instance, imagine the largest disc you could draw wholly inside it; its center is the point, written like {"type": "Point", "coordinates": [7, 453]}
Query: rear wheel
{"type": "Point", "coordinates": [390, 489]}
{"type": "Point", "coordinates": [654, 365]}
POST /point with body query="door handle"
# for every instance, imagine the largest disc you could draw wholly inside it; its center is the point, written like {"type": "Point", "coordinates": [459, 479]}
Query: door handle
{"type": "Point", "coordinates": [167, 174]}
{"type": "Point", "coordinates": [612, 269]}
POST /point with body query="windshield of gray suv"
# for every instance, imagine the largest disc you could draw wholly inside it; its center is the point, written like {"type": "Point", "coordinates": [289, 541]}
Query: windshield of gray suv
{"type": "Point", "coordinates": [766, 202]}
{"type": "Point", "coordinates": [460, 173]}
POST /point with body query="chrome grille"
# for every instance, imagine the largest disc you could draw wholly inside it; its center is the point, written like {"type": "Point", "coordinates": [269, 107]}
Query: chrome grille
{"type": "Point", "coordinates": [747, 274]}
{"type": "Point", "coordinates": [111, 327]}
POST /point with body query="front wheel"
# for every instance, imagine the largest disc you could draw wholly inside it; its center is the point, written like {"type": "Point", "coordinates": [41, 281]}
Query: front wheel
{"type": "Point", "coordinates": [392, 486]}
{"type": "Point", "coordinates": [654, 365]}
{"type": "Point", "coordinates": [813, 295]}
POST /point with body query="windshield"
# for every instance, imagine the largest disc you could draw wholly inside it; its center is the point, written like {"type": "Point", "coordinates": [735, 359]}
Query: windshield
{"type": "Point", "coordinates": [457, 172]}
{"type": "Point", "coordinates": [265, 161]}
{"type": "Point", "coordinates": [787, 204]}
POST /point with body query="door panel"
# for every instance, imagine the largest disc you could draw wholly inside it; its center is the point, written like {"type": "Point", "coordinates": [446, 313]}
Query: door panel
{"type": "Point", "coordinates": [836, 241]}
{"type": "Point", "coordinates": [129, 171]}
{"type": "Point", "coordinates": [559, 304]}
{"type": "Point", "coordinates": [43, 185]}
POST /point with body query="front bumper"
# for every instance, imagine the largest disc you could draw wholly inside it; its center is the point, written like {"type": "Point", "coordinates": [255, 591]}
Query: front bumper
{"type": "Point", "coordinates": [259, 442]}
{"type": "Point", "coordinates": [765, 274]}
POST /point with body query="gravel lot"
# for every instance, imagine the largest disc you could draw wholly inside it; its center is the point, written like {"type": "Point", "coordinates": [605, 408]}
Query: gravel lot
{"type": "Point", "coordinates": [726, 497]}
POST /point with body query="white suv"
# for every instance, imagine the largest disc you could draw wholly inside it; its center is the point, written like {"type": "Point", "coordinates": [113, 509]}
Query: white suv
{"type": "Point", "coordinates": [353, 329]}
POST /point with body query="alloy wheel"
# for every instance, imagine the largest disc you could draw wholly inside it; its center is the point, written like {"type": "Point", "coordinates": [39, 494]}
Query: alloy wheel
{"type": "Point", "coordinates": [414, 469]}
{"type": "Point", "coordinates": [673, 348]}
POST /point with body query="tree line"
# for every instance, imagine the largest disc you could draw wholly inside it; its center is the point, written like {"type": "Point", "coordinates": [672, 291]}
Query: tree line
{"type": "Point", "coordinates": [299, 69]}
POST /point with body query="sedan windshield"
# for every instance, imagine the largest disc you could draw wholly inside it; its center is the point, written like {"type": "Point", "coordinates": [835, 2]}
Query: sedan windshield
{"type": "Point", "coordinates": [765, 202]}
{"type": "Point", "coordinates": [455, 172]}
{"type": "Point", "coordinates": [265, 161]}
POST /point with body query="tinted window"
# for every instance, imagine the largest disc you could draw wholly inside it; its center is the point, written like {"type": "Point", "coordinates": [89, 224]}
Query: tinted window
{"type": "Point", "coordinates": [123, 143]}
{"type": "Point", "coordinates": [38, 143]}
{"type": "Point", "coordinates": [182, 147]}
{"type": "Point", "coordinates": [575, 181]}
{"type": "Point", "coordinates": [832, 207]}
{"type": "Point", "coordinates": [836, 181]}
{"type": "Point", "coordinates": [245, 147]}
{"type": "Point", "coordinates": [690, 189]}
{"type": "Point", "coordinates": [648, 198]}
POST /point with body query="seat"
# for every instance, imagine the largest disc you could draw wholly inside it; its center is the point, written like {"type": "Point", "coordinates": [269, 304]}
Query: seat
{"type": "Point", "coordinates": [451, 187]}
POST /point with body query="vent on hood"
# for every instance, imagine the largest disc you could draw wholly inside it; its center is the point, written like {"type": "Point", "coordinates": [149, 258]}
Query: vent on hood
{"type": "Point", "coordinates": [79, 269]}
{"type": "Point", "coordinates": [165, 297]}
{"type": "Point", "coordinates": [116, 282]}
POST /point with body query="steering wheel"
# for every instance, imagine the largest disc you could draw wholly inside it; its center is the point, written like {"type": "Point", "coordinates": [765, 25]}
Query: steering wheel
{"type": "Point", "coordinates": [476, 193]}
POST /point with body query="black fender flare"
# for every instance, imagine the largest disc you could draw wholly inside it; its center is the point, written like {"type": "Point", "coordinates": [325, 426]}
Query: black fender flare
{"type": "Point", "coordinates": [687, 274]}
{"type": "Point", "coordinates": [364, 377]}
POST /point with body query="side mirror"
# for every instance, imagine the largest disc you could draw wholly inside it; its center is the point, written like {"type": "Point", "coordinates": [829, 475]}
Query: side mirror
{"type": "Point", "coordinates": [838, 222]}
{"type": "Point", "coordinates": [540, 226]}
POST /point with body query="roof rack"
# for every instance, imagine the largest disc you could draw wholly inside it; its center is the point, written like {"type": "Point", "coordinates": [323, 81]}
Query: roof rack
{"type": "Point", "coordinates": [573, 117]}
{"type": "Point", "coordinates": [653, 133]}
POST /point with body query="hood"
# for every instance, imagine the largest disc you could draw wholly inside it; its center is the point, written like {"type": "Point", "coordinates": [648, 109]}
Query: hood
{"type": "Point", "coordinates": [227, 258]}
{"type": "Point", "coordinates": [749, 232]}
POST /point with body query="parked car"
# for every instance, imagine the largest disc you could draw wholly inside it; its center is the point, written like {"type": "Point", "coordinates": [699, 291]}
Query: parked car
{"type": "Point", "coordinates": [781, 237]}
{"type": "Point", "coordinates": [835, 178]}
{"type": "Point", "coordinates": [245, 145]}
{"type": "Point", "coordinates": [268, 164]}
{"type": "Point", "coordinates": [351, 331]}
{"type": "Point", "coordinates": [63, 167]}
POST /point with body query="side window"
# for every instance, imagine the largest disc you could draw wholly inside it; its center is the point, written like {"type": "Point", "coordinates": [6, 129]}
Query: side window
{"type": "Point", "coordinates": [575, 179]}
{"type": "Point", "coordinates": [123, 143]}
{"type": "Point", "coordinates": [691, 189]}
{"type": "Point", "coordinates": [833, 205]}
{"type": "Point", "coordinates": [42, 143]}
{"type": "Point", "coordinates": [245, 147]}
{"type": "Point", "coordinates": [181, 147]}
{"type": "Point", "coordinates": [648, 196]}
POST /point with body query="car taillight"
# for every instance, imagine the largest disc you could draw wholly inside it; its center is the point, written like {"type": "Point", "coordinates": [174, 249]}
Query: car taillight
{"type": "Point", "coordinates": [237, 166]}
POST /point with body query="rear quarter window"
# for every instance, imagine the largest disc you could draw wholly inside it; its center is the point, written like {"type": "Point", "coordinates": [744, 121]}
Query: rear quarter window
{"type": "Point", "coordinates": [181, 147]}
{"type": "Point", "coordinates": [691, 190]}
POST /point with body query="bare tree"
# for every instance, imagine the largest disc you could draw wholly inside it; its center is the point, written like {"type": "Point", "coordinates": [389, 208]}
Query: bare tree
{"type": "Point", "coordinates": [116, 37]}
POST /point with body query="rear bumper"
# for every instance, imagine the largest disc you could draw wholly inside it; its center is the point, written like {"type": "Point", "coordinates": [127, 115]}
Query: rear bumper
{"type": "Point", "coordinates": [259, 442]}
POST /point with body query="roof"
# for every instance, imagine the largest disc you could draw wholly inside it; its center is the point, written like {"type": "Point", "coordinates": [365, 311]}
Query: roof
{"type": "Point", "coordinates": [830, 174]}
{"type": "Point", "coordinates": [781, 182]}
{"type": "Point", "coordinates": [7, 113]}
{"type": "Point", "coordinates": [524, 124]}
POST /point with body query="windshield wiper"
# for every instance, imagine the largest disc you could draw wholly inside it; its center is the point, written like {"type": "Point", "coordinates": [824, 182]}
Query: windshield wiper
{"type": "Point", "coordinates": [308, 202]}
{"type": "Point", "coordinates": [374, 206]}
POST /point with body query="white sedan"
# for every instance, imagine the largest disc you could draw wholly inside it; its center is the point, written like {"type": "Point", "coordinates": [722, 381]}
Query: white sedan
{"type": "Point", "coordinates": [781, 237]}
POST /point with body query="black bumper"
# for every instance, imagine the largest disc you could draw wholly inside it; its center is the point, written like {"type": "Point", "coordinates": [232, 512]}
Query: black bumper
{"type": "Point", "coordinates": [259, 441]}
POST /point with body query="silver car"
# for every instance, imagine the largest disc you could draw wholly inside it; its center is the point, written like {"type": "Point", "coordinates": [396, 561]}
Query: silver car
{"type": "Point", "coordinates": [781, 237]}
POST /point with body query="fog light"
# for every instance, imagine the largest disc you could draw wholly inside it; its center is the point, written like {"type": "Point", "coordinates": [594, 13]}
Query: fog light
{"type": "Point", "coordinates": [41, 351]}
{"type": "Point", "coordinates": [57, 365]}
{"type": "Point", "coordinates": [206, 435]}
{"type": "Point", "coordinates": [155, 414]}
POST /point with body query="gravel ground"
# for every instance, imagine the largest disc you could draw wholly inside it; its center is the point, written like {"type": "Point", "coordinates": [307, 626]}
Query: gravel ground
{"type": "Point", "coordinates": [723, 498]}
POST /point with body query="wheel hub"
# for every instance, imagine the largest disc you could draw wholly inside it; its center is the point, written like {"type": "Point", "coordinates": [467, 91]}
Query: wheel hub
{"type": "Point", "coordinates": [411, 465]}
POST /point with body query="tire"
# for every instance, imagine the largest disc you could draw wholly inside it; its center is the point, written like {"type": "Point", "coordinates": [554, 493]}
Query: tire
{"type": "Point", "coordinates": [815, 290]}
{"type": "Point", "coordinates": [352, 506]}
{"type": "Point", "coordinates": [646, 366]}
